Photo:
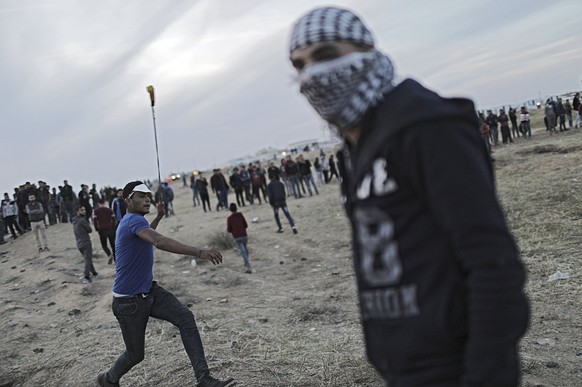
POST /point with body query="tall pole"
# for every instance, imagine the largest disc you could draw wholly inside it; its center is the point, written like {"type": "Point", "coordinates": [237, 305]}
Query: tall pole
{"type": "Point", "coordinates": [150, 90]}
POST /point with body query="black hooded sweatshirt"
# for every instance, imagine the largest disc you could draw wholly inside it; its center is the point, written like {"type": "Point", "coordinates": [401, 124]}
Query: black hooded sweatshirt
{"type": "Point", "coordinates": [439, 278]}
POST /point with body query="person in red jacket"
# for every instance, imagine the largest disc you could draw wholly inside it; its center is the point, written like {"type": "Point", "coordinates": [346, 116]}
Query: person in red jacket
{"type": "Point", "coordinates": [105, 224]}
{"type": "Point", "coordinates": [236, 224]}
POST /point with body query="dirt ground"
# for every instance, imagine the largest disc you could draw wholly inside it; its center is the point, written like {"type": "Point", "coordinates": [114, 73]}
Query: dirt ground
{"type": "Point", "coordinates": [294, 321]}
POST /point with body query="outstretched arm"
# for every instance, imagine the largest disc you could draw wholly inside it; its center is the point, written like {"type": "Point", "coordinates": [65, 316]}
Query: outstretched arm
{"type": "Point", "coordinates": [165, 243]}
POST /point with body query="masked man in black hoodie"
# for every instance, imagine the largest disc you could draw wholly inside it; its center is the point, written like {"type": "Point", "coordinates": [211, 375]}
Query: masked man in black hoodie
{"type": "Point", "coordinates": [439, 278]}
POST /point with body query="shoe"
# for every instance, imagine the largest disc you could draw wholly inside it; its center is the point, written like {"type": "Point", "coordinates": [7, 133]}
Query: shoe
{"type": "Point", "coordinates": [95, 275]}
{"type": "Point", "coordinates": [248, 271]}
{"type": "Point", "coordinates": [209, 381]}
{"type": "Point", "coordinates": [294, 230]}
{"type": "Point", "coordinates": [46, 249]}
{"type": "Point", "coordinates": [280, 230]}
{"type": "Point", "coordinates": [40, 249]}
{"type": "Point", "coordinates": [87, 280]}
{"type": "Point", "coordinates": [2, 242]}
{"type": "Point", "coordinates": [103, 382]}
{"type": "Point", "coordinates": [110, 260]}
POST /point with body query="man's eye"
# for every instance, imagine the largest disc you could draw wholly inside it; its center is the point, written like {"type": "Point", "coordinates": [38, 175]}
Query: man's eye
{"type": "Point", "coordinates": [326, 56]}
{"type": "Point", "coordinates": [298, 64]}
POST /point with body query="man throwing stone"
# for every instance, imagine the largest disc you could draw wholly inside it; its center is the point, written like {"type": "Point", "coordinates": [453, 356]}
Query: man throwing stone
{"type": "Point", "coordinates": [136, 296]}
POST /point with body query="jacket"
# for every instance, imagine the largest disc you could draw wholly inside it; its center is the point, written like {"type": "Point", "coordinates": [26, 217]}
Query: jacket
{"type": "Point", "coordinates": [81, 229]}
{"type": "Point", "coordinates": [9, 208]}
{"type": "Point", "coordinates": [439, 278]}
{"type": "Point", "coordinates": [35, 211]}
{"type": "Point", "coordinates": [276, 193]}
{"type": "Point", "coordinates": [236, 224]}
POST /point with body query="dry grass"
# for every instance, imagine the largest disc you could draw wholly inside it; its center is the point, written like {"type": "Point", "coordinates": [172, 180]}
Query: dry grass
{"type": "Point", "coordinates": [220, 240]}
{"type": "Point", "coordinates": [539, 183]}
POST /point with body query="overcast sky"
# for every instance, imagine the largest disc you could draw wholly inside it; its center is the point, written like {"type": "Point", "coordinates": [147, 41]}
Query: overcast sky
{"type": "Point", "coordinates": [73, 75]}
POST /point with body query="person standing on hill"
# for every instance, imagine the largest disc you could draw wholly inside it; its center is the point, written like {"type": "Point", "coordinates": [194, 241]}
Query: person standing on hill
{"type": "Point", "coordinates": [35, 214]}
{"type": "Point", "coordinates": [514, 127]}
{"type": "Point", "coordinates": [236, 225]}
{"type": "Point", "coordinates": [245, 177]}
{"type": "Point", "coordinates": [55, 204]}
{"type": "Point", "coordinates": [137, 297]}
{"type": "Point", "coordinates": [85, 200]}
{"type": "Point", "coordinates": [492, 121]}
{"type": "Point", "coordinates": [105, 222]}
{"type": "Point", "coordinates": [10, 213]}
{"type": "Point", "coordinates": [278, 200]}
{"type": "Point", "coordinates": [194, 188]}
{"type": "Point", "coordinates": [504, 124]}
{"type": "Point", "coordinates": [202, 186]}
{"type": "Point", "coordinates": [237, 185]}
{"type": "Point", "coordinates": [439, 277]}
{"type": "Point", "coordinates": [94, 193]}
{"type": "Point", "coordinates": [319, 171]}
{"type": "Point", "coordinates": [525, 124]}
{"type": "Point", "coordinates": [119, 207]}
{"type": "Point", "coordinates": [44, 195]}
{"type": "Point", "coordinates": [292, 173]}
{"type": "Point", "coordinates": [332, 168]}
{"type": "Point", "coordinates": [568, 110]}
{"type": "Point", "coordinates": [550, 114]}
{"type": "Point", "coordinates": [306, 174]}
{"type": "Point", "coordinates": [82, 229]}
{"type": "Point", "coordinates": [575, 106]}
{"type": "Point", "coordinates": [561, 114]}
{"type": "Point", "coordinates": [220, 187]}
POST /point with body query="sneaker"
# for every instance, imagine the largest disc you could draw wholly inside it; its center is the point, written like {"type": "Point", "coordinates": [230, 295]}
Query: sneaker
{"type": "Point", "coordinates": [87, 280]}
{"type": "Point", "coordinates": [102, 381]}
{"type": "Point", "coordinates": [46, 249]}
{"type": "Point", "coordinates": [294, 230]}
{"type": "Point", "coordinates": [209, 381]}
{"type": "Point", "coordinates": [280, 230]}
{"type": "Point", "coordinates": [40, 249]}
{"type": "Point", "coordinates": [248, 271]}
{"type": "Point", "coordinates": [95, 275]}
{"type": "Point", "coordinates": [110, 260]}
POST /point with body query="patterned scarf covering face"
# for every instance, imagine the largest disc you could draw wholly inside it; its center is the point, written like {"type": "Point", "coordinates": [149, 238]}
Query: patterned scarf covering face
{"type": "Point", "coordinates": [344, 89]}
{"type": "Point", "coordinates": [341, 90]}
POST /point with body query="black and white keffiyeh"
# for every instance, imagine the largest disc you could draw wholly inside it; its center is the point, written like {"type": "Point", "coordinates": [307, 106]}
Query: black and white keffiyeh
{"type": "Point", "coordinates": [344, 89]}
{"type": "Point", "coordinates": [341, 90]}
{"type": "Point", "coordinates": [329, 24]}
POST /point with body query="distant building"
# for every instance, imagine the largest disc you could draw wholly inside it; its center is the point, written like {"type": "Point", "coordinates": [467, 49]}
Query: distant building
{"type": "Point", "coordinates": [305, 145]}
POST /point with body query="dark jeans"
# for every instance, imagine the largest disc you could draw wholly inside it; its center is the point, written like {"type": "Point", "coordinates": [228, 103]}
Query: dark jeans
{"type": "Point", "coordinates": [133, 314]}
{"type": "Point", "coordinates": [205, 201]}
{"type": "Point", "coordinates": [222, 199]}
{"type": "Point", "coordinates": [239, 196]}
{"type": "Point", "coordinates": [256, 193]}
{"type": "Point", "coordinates": [248, 194]}
{"type": "Point", "coordinates": [287, 215]}
{"type": "Point", "coordinates": [107, 235]}
{"type": "Point", "coordinates": [87, 250]}
{"type": "Point", "coordinates": [296, 187]}
{"type": "Point", "coordinates": [12, 223]}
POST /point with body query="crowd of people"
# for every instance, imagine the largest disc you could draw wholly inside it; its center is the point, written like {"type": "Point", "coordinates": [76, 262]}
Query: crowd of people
{"type": "Point", "coordinates": [558, 116]}
{"type": "Point", "coordinates": [36, 206]}
{"type": "Point", "coordinates": [250, 182]}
